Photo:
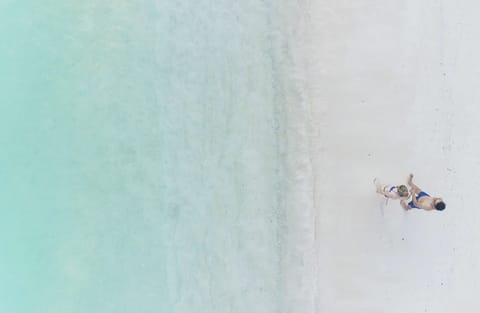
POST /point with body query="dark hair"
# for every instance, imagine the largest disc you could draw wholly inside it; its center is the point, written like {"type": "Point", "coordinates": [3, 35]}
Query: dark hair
{"type": "Point", "coordinates": [440, 206]}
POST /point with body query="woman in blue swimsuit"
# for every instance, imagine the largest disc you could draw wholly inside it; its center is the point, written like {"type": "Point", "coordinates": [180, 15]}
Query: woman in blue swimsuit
{"type": "Point", "coordinates": [421, 199]}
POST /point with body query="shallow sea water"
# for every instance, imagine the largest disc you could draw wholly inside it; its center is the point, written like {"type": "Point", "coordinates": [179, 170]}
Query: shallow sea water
{"type": "Point", "coordinates": [143, 157]}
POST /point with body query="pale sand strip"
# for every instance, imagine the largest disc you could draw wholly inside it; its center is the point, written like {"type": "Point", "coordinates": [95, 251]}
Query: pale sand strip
{"type": "Point", "coordinates": [385, 88]}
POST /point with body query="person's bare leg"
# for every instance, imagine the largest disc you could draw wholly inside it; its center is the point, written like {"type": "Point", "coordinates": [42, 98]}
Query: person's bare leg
{"type": "Point", "coordinates": [414, 188]}
{"type": "Point", "coordinates": [378, 185]}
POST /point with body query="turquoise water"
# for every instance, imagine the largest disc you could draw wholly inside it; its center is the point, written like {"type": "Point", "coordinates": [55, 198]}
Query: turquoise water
{"type": "Point", "coordinates": [142, 165]}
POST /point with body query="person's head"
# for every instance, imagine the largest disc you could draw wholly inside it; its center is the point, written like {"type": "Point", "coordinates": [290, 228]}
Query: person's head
{"type": "Point", "coordinates": [439, 204]}
{"type": "Point", "coordinates": [402, 190]}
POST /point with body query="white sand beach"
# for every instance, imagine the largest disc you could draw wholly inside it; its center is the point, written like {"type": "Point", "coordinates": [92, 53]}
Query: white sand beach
{"type": "Point", "coordinates": [388, 88]}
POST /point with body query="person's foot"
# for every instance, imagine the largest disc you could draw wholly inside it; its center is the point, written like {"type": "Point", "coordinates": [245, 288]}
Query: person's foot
{"type": "Point", "coordinates": [377, 185]}
{"type": "Point", "coordinates": [410, 178]}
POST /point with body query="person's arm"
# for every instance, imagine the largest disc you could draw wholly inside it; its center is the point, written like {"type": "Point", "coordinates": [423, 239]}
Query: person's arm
{"type": "Point", "coordinates": [405, 205]}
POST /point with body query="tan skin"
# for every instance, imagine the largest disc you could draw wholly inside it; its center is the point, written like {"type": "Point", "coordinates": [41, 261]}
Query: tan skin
{"type": "Point", "coordinates": [426, 203]}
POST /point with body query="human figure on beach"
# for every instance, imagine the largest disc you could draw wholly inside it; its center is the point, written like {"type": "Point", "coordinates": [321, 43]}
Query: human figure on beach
{"type": "Point", "coordinates": [421, 199]}
{"type": "Point", "coordinates": [392, 191]}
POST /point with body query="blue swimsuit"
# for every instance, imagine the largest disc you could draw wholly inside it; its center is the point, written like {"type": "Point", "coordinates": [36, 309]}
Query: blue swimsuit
{"type": "Point", "coordinates": [421, 194]}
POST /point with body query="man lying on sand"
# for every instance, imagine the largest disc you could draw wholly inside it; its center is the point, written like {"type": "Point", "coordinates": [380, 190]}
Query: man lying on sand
{"type": "Point", "coordinates": [392, 191]}
{"type": "Point", "coordinates": [421, 199]}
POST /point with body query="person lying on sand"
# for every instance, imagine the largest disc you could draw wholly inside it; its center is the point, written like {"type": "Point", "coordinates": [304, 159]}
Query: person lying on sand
{"type": "Point", "coordinates": [421, 199]}
{"type": "Point", "coordinates": [392, 191]}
